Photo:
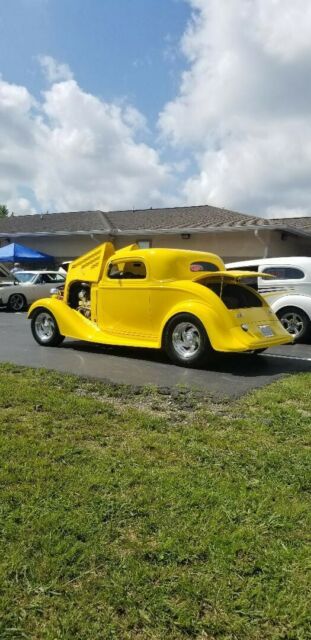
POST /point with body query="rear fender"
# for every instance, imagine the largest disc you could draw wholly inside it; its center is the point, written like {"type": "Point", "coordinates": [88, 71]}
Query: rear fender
{"type": "Point", "coordinates": [216, 327]}
{"type": "Point", "coordinates": [71, 323]}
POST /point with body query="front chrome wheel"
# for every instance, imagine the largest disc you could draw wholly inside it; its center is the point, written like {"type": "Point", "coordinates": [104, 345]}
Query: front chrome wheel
{"type": "Point", "coordinates": [45, 330]}
{"type": "Point", "coordinates": [186, 340]}
{"type": "Point", "coordinates": [44, 326]}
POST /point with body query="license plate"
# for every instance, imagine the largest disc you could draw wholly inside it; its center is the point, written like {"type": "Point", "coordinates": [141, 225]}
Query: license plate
{"type": "Point", "coordinates": [266, 331]}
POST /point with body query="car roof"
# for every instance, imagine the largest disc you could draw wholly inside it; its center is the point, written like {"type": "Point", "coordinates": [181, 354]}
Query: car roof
{"type": "Point", "coordinates": [163, 264]}
{"type": "Point", "coordinates": [285, 260]}
{"type": "Point", "coordinates": [168, 264]}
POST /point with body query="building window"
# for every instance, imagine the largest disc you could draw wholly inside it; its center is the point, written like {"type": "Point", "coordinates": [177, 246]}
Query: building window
{"type": "Point", "coordinates": [144, 244]}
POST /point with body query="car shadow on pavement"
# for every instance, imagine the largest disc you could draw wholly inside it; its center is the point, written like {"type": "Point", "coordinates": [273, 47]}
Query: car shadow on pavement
{"type": "Point", "coordinates": [246, 365]}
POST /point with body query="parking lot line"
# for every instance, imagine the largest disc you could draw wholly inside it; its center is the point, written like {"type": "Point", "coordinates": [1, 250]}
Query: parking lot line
{"type": "Point", "coordinates": [275, 355]}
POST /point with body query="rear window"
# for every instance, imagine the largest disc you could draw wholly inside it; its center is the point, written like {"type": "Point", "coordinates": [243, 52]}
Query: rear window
{"type": "Point", "coordinates": [235, 296]}
{"type": "Point", "coordinates": [203, 266]}
{"type": "Point", "coordinates": [285, 273]}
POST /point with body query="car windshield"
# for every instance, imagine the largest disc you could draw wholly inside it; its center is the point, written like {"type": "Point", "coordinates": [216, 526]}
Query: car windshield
{"type": "Point", "coordinates": [24, 276]}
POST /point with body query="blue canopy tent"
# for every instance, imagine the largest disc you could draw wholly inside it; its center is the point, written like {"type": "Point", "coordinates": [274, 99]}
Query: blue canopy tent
{"type": "Point", "coordinates": [18, 253]}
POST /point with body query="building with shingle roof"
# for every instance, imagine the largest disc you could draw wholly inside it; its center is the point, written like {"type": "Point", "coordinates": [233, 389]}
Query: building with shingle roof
{"type": "Point", "coordinates": [231, 234]}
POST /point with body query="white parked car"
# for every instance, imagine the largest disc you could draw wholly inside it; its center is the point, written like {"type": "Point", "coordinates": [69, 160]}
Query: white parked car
{"type": "Point", "coordinates": [288, 293]}
{"type": "Point", "coordinates": [29, 286]}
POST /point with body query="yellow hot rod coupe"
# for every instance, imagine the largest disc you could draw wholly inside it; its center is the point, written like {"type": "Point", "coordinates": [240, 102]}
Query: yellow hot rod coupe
{"type": "Point", "coordinates": [184, 302]}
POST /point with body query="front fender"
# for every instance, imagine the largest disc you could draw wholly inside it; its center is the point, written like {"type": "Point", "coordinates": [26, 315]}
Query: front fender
{"type": "Point", "coordinates": [71, 323]}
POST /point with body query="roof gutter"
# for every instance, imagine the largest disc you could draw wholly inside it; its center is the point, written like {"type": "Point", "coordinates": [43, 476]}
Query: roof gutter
{"type": "Point", "coordinates": [196, 230]}
{"type": "Point", "coordinates": [29, 234]}
{"type": "Point", "coordinates": [154, 232]}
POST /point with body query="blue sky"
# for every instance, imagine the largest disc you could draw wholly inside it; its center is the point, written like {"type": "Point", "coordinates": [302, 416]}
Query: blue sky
{"type": "Point", "coordinates": [116, 48]}
{"type": "Point", "coordinates": [114, 104]}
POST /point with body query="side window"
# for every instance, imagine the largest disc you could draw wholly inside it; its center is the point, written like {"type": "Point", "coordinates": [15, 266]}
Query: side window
{"type": "Point", "coordinates": [43, 279]}
{"type": "Point", "coordinates": [285, 273]}
{"type": "Point", "coordinates": [127, 270]}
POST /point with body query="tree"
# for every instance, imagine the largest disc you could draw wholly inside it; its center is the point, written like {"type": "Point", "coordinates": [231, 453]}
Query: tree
{"type": "Point", "coordinates": [4, 212]}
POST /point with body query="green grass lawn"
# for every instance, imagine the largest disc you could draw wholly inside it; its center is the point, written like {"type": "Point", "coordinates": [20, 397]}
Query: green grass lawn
{"type": "Point", "coordinates": [134, 514]}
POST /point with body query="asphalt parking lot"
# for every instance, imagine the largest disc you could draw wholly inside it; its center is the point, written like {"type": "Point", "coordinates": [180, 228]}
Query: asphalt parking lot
{"type": "Point", "coordinates": [228, 376]}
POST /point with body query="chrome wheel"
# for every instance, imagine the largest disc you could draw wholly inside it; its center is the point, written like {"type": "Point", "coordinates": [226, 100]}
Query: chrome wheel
{"type": "Point", "coordinates": [16, 302]}
{"type": "Point", "coordinates": [293, 322]}
{"type": "Point", "coordinates": [186, 340]}
{"type": "Point", "coordinates": [44, 326]}
{"type": "Point", "coordinates": [45, 329]}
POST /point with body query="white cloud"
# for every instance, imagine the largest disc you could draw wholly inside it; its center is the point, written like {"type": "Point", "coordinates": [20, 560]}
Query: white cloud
{"type": "Point", "coordinates": [74, 151]}
{"type": "Point", "coordinates": [20, 206]}
{"type": "Point", "coordinates": [18, 144]}
{"type": "Point", "coordinates": [54, 71]}
{"type": "Point", "coordinates": [243, 105]}
{"type": "Point", "coordinates": [239, 127]}
{"type": "Point", "coordinates": [283, 27]}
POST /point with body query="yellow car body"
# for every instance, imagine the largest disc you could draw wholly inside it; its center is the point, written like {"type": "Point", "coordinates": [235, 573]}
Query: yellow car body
{"type": "Point", "coordinates": [171, 298]}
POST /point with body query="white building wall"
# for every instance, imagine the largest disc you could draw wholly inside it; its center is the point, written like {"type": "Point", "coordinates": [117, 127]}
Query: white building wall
{"type": "Point", "coordinates": [232, 244]}
{"type": "Point", "coordinates": [229, 245]}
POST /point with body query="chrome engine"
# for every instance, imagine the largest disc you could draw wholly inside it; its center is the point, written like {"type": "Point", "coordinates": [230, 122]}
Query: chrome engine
{"type": "Point", "coordinates": [84, 300]}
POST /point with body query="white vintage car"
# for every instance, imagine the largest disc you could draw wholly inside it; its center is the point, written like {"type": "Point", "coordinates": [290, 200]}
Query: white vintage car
{"type": "Point", "coordinates": [288, 292]}
{"type": "Point", "coordinates": [27, 287]}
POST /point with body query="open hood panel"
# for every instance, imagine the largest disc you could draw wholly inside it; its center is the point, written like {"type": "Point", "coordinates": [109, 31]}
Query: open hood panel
{"type": "Point", "coordinates": [4, 272]}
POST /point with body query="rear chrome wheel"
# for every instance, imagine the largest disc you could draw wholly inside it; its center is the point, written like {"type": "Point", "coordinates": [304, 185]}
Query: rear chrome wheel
{"type": "Point", "coordinates": [296, 322]}
{"type": "Point", "coordinates": [185, 340]}
{"type": "Point", "coordinates": [45, 330]}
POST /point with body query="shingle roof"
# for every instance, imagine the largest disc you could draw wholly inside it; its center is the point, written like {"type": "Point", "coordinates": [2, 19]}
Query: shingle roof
{"type": "Point", "coordinates": [69, 222]}
{"type": "Point", "coordinates": [183, 218]}
{"type": "Point", "coordinates": [167, 220]}
{"type": "Point", "coordinates": [302, 223]}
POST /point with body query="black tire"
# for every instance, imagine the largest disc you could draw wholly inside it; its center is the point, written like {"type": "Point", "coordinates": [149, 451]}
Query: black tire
{"type": "Point", "coordinates": [17, 302]}
{"type": "Point", "coordinates": [44, 328]}
{"type": "Point", "coordinates": [185, 341]}
{"type": "Point", "coordinates": [296, 322]}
